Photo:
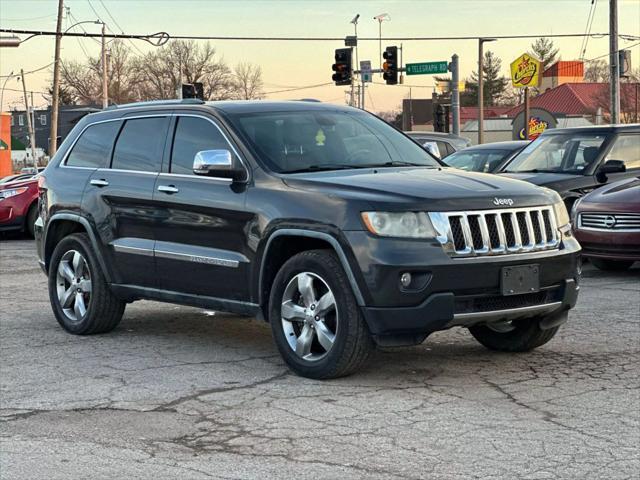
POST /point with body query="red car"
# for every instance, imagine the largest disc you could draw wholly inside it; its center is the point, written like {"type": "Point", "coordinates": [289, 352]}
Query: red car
{"type": "Point", "coordinates": [607, 224]}
{"type": "Point", "coordinates": [19, 205]}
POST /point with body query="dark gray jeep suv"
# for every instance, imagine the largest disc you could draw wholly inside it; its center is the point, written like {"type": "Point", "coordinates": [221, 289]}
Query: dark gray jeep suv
{"type": "Point", "coordinates": [323, 220]}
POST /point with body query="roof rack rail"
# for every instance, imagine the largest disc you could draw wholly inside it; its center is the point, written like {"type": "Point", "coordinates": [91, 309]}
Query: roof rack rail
{"type": "Point", "coordinates": [309, 100]}
{"type": "Point", "coordinates": [175, 101]}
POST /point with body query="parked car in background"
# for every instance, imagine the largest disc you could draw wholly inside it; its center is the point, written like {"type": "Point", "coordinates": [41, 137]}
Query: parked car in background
{"type": "Point", "coordinates": [19, 204]}
{"type": "Point", "coordinates": [440, 144]}
{"type": "Point", "coordinates": [606, 222]}
{"type": "Point", "coordinates": [487, 158]}
{"type": "Point", "coordinates": [32, 170]}
{"type": "Point", "coordinates": [16, 177]}
{"type": "Point", "coordinates": [575, 161]}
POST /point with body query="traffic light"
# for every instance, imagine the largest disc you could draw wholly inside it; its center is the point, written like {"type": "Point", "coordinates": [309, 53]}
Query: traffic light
{"type": "Point", "coordinates": [342, 67]}
{"type": "Point", "coordinates": [193, 90]}
{"type": "Point", "coordinates": [390, 65]}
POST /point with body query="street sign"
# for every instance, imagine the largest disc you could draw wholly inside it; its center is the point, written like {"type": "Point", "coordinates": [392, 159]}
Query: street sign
{"type": "Point", "coordinates": [365, 70]}
{"type": "Point", "coordinates": [427, 68]}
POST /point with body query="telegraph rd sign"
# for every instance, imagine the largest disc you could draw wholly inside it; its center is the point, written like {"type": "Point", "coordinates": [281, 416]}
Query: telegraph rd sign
{"type": "Point", "coordinates": [427, 68]}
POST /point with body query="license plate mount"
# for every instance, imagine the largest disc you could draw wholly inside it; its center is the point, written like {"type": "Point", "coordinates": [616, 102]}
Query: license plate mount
{"type": "Point", "coordinates": [520, 279]}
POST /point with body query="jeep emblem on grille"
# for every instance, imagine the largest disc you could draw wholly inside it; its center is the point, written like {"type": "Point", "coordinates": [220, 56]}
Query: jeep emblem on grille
{"type": "Point", "coordinates": [502, 201]}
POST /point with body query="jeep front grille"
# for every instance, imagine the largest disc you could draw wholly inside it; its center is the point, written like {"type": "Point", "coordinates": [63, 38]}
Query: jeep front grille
{"type": "Point", "coordinates": [496, 232]}
{"type": "Point", "coordinates": [619, 222]}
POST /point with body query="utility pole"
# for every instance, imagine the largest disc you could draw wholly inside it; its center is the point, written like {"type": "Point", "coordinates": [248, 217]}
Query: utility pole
{"type": "Point", "coordinates": [363, 91]}
{"type": "Point", "coordinates": [614, 67]}
{"type": "Point", "coordinates": [55, 100]}
{"type": "Point", "coordinates": [480, 91]}
{"type": "Point", "coordinates": [32, 137]}
{"type": "Point", "coordinates": [526, 113]}
{"type": "Point", "coordinates": [105, 94]}
{"type": "Point", "coordinates": [455, 94]}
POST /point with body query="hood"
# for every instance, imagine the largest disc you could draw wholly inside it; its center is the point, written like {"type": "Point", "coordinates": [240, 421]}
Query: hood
{"type": "Point", "coordinates": [439, 189]}
{"type": "Point", "coordinates": [18, 183]}
{"type": "Point", "coordinates": [542, 178]}
{"type": "Point", "coordinates": [626, 191]}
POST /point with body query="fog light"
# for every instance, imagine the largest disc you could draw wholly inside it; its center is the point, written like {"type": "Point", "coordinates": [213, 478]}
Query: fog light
{"type": "Point", "coordinates": [405, 279]}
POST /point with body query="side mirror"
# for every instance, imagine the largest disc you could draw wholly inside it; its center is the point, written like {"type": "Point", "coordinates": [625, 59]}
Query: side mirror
{"type": "Point", "coordinates": [613, 166]}
{"type": "Point", "coordinates": [215, 163]}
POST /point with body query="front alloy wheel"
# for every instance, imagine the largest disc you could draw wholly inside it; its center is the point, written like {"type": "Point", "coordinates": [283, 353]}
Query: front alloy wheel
{"type": "Point", "coordinates": [73, 282]}
{"type": "Point", "coordinates": [309, 316]}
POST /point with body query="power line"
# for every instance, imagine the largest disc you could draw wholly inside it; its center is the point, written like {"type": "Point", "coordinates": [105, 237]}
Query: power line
{"type": "Point", "coordinates": [28, 19]}
{"type": "Point", "coordinates": [294, 39]}
{"type": "Point", "coordinates": [119, 27]}
{"type": "Point", "coordinates": [585, 40]}
{"type": "Point", "coordinates": [27, 73]}
{"type": "Point", "coordinates": [301, 88]}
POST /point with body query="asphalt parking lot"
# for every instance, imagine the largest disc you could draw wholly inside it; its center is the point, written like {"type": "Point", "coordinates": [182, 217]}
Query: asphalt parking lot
{"type": "Point", "coordinates": [177, 392]}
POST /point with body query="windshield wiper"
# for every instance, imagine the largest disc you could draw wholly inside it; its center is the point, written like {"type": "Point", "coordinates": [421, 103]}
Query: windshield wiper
{"type": "Point", "coordinates": [533, 170]}
{"type": "Point", "coordinates": [324, 167]}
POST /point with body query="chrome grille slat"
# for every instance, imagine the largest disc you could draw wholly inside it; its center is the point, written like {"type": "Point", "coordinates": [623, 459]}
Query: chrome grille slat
{"type": "Point", "coordinates": [518, 230]}
{"type": "Point", "coordinates": [610, 222]}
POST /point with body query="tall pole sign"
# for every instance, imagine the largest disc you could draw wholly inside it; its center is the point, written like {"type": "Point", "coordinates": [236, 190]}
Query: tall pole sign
{"type": "Point", "coordinates": [525, 73]}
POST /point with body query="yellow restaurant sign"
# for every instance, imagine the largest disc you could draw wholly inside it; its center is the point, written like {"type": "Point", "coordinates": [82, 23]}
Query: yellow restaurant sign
{"type": "Point", "coordinates": [525, 71]}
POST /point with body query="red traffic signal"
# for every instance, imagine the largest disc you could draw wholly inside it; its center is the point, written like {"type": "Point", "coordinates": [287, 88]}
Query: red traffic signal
{"type": "Point", "coordinates": [390, 65]}
{"type": "Point", "coordinates": [342, 67]}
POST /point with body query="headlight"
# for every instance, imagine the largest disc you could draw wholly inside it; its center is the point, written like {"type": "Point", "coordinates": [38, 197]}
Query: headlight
{"type": "Point", "coordinates": [402, 224]}
{"type": "Point", "coordinates": [574, 212]}
{"type": "Point", "coordinates": [562, 216]}
{"type": "Point", "coordinates": [12, 192]}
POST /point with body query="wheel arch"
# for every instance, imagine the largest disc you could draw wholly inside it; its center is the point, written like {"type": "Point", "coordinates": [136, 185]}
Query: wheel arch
{"type": "Point", "coordinates": [283, 244]}
{"type": "Point", "coordinates": [61, 225]}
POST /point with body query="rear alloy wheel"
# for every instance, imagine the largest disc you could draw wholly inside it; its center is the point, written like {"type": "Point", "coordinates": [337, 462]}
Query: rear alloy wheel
{"type": "Point", "coordinates": [315, 320]}
{"type": "Point", "coordinates": [73, 281]}
{"type": "Point", "coordinates": [611, 265]}
{"type": "Point", "coordinates": [80, 297]}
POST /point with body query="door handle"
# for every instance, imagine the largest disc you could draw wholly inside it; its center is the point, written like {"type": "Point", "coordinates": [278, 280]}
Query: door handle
{"type": "Point", "coordinates": [99, 182]}
{"type": "Point", "coordinates": [170, 189]}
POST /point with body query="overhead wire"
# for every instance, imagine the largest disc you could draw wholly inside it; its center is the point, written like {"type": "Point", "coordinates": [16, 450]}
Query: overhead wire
{"type": "Point", "coordinates": [585, 39]}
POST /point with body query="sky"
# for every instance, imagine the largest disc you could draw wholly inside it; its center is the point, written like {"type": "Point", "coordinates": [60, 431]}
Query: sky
{"type": "Point", "coordinates": [295, 64]}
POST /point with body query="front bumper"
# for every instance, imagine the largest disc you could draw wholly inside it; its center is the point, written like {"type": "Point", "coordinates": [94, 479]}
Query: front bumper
{"type": "Point", "coordinates": [454, 292]}
{"type": "Point", "coordinates": [611, 245]}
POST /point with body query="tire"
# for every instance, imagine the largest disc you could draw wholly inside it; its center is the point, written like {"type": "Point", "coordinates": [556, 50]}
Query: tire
{"type": "Point", "coordinates": [339, 342]}
{"type": "Point", "coordinates": [73, 260]}
{"type": "Point", "coordinates": [526, 336]}
{"type": "Point", "coordinates": [611, 265]}
{"type": "Point", "coordinates": [32, 216]}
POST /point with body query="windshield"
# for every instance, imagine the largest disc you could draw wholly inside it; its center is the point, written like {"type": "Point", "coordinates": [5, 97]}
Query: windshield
{"type": "Point", "coordinates": [477, 161]}
{"type": "Point", "coordinates": [296, 141]}
{"type": "Point", "coordinates": [566, 153]}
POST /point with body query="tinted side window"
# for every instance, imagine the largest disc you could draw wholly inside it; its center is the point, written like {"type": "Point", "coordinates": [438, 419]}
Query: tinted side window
{"type": "Point", "coordinates": [192, 136]}
{"type": "Point", "coordinates": [627, 149]}
{"type": "Point", "coordinates": [140, 144]}
{"type": "Point", "coordinates": [94, 146]}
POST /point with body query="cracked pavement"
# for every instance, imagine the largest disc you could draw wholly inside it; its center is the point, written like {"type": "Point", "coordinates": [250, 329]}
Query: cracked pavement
{"type": "Point", "coordinates": [178, 392]}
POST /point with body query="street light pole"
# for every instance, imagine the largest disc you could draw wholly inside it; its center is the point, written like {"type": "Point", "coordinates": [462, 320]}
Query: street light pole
{"type": "Point", "coordinates": [481, 87]}
{"type": "Point", "coordinates": [381, 18]}
{"type": "Point", "coordinates": [614, 61]}
{"type": "Point", "coordinates": [32, 137]}
{"type": "Point", "coordinates": [2, 91]}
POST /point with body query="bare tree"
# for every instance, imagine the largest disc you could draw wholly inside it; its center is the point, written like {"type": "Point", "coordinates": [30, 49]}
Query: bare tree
{"type": "Point", "coordinates": [82, 81]}
{"type": "Point", "coordinates": [163, 71]}
{"type": "Point", "coordinates": [248, 81]}
{"type": "Point", "coordinates": [597, 71]}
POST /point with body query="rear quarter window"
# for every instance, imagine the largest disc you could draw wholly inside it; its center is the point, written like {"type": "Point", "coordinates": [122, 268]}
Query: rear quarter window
{"type": "Point", "coordinates": [94, 146]}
